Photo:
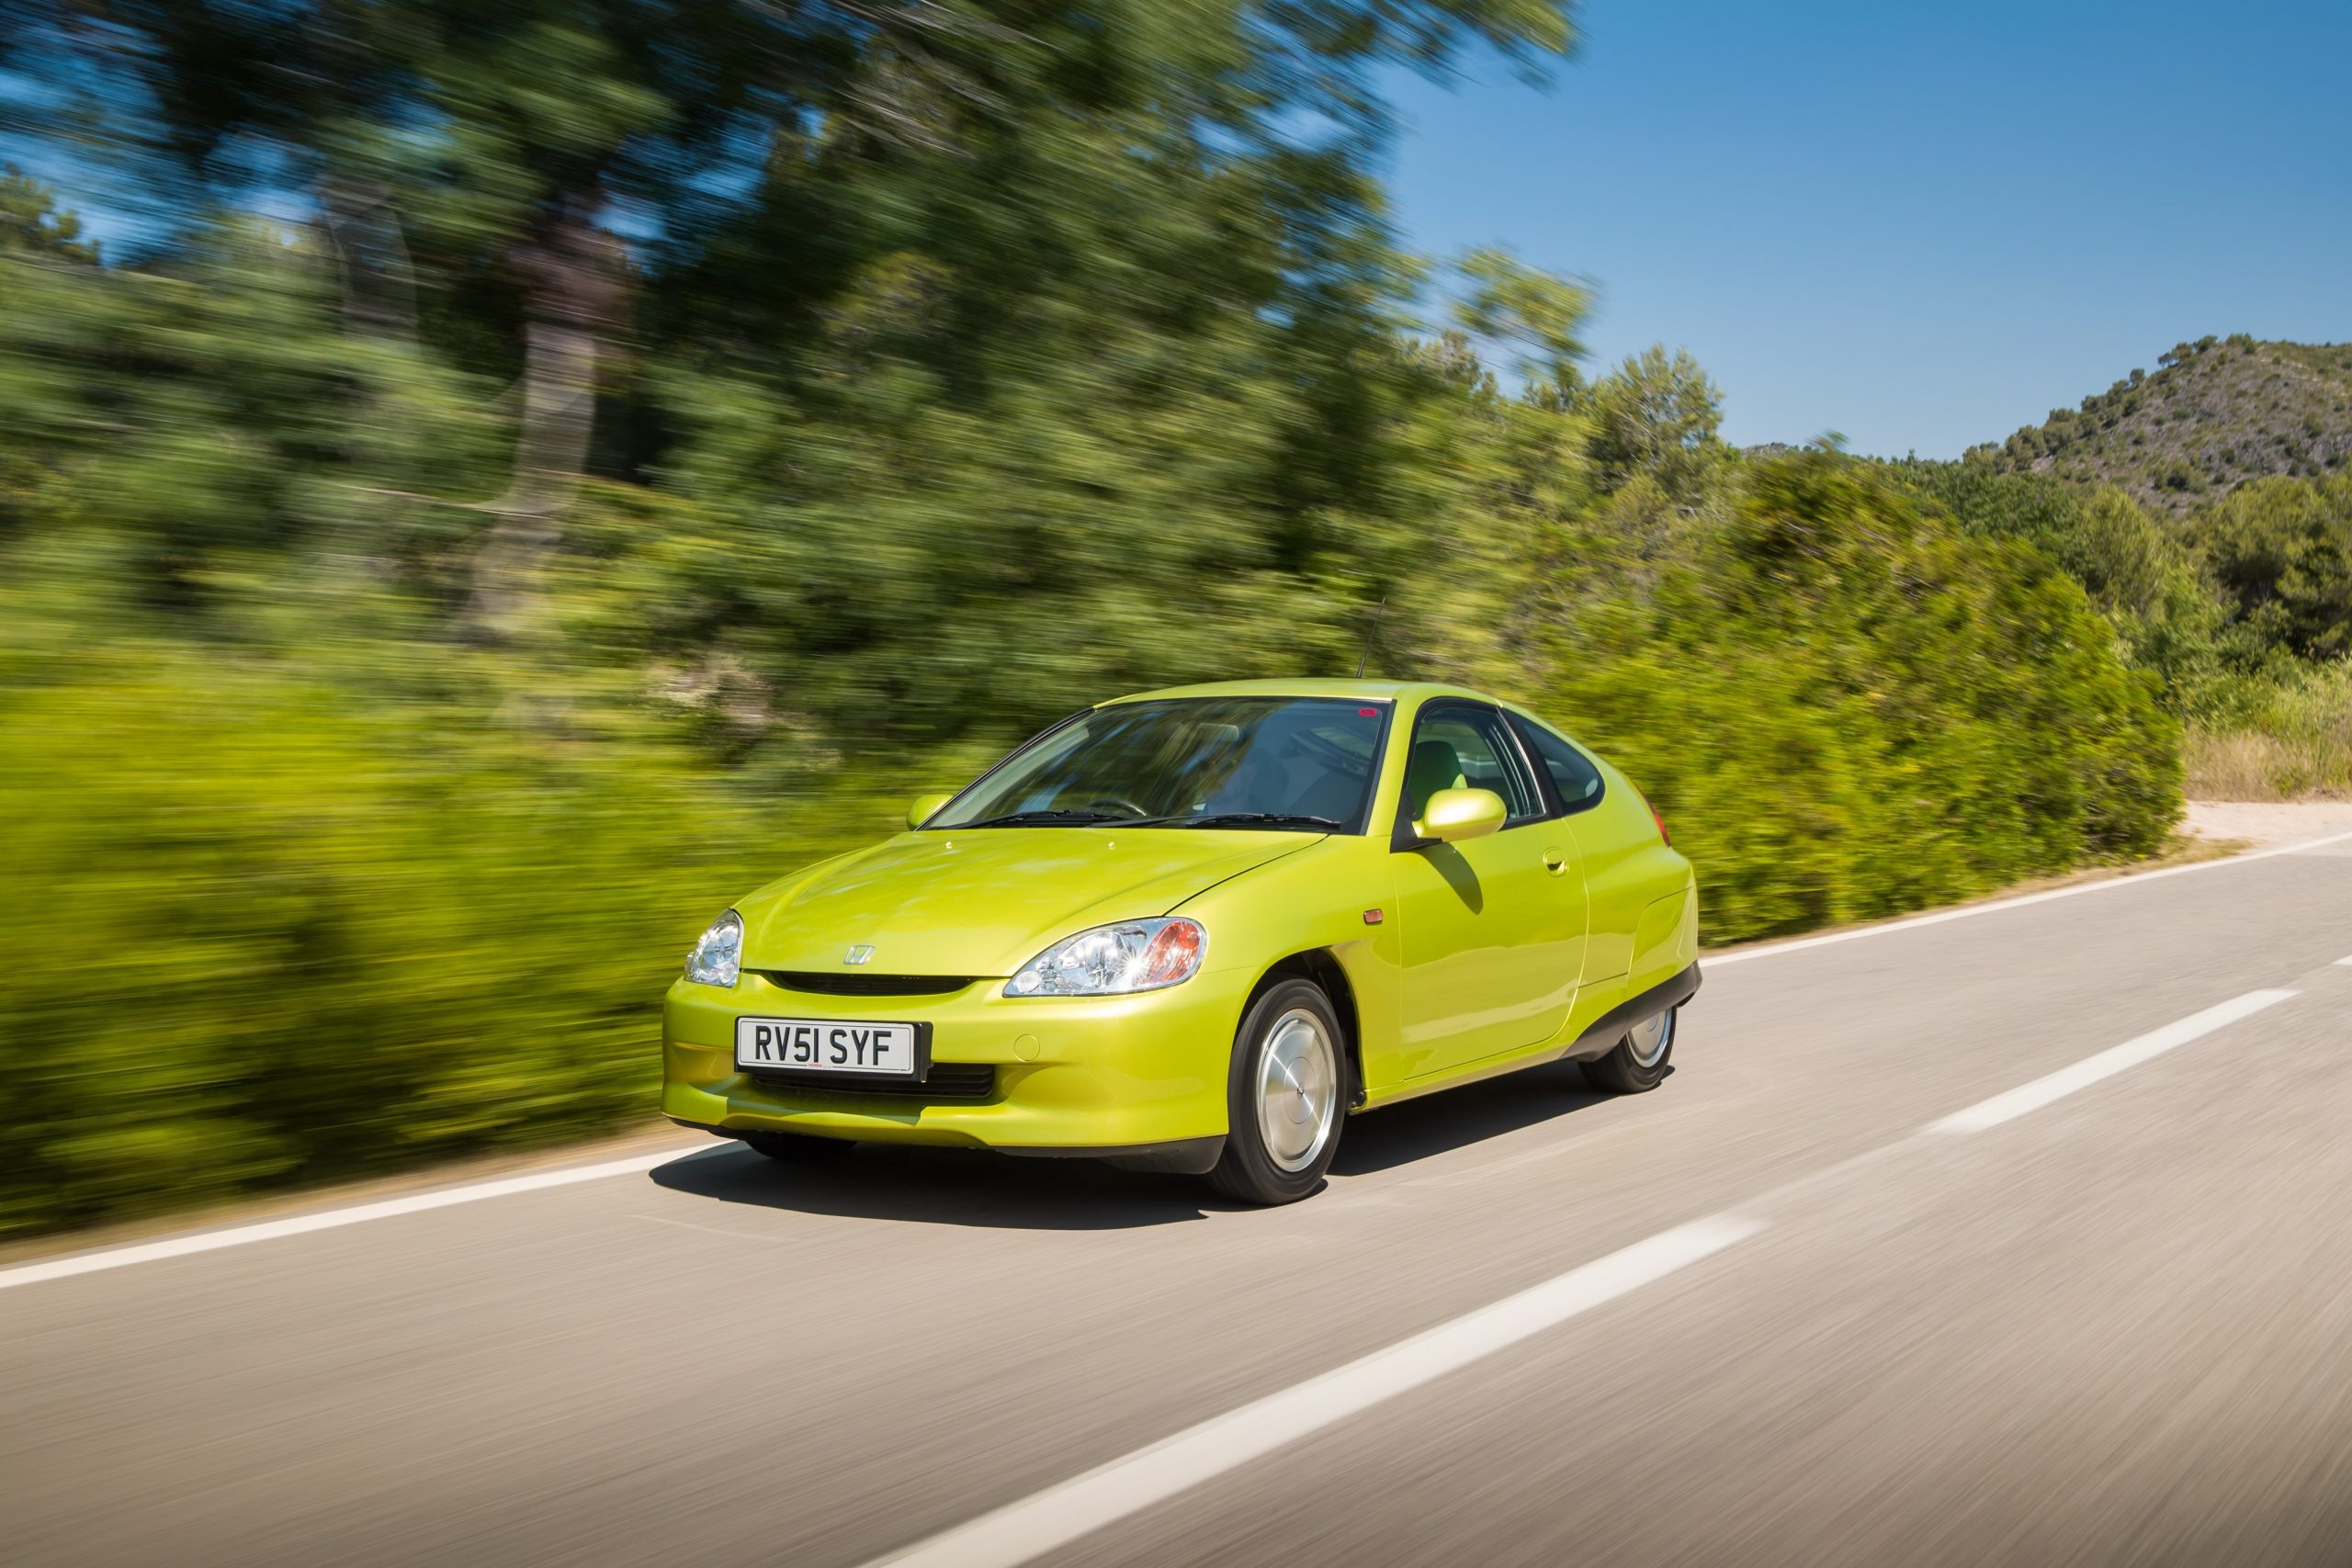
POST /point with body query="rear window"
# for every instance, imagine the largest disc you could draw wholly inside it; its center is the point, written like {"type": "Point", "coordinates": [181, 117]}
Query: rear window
{"type": "Point", "coordinates": [1573, 776]}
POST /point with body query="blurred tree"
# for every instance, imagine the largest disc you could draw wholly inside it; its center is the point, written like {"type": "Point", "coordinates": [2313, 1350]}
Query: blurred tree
{"type": "Point", "coordinates": [2142, 576]}
{"type": "Point", "coordinates": [1895, 714]}
{"type": "Point", "coordinates": [1656, 415]}
{"type": "Point", "coordinates": [503, 156]}
{"type": "Point", "coordinates": [31, 225]}
{"type": "Point", "coordinates": [2282, 551]}
{"type": "Point", "coordinates": [1537, 314]}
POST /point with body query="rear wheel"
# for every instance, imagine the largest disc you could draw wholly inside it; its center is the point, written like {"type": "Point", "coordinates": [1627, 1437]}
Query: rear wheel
{"type": "Point", "coordinates": [1640, 1060]}
{"type": "Point", "coordinates": [798, 1147]}
{"type": "Point", "coordinates": [1285, 1094]}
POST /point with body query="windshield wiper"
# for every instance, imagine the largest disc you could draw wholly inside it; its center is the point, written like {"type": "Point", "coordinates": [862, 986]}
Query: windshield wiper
{"type": "Point", "coordinates": [1269, 818]}
{"type": "Point", "coordinates": [1048, 818]}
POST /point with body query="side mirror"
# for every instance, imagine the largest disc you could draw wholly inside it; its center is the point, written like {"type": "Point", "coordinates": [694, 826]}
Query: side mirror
{"type": "Point", "coordinates": [925, 808]}
{"type": "Point", "coordinates": [1453, 814]}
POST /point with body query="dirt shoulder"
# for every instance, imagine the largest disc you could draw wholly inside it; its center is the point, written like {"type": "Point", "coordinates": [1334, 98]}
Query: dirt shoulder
{"type": "Point", "coordinates": [2256, 823]}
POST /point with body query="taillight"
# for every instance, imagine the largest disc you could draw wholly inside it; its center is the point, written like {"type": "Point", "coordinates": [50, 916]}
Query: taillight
{"type": "Point", "coordinates": [1659, 820]}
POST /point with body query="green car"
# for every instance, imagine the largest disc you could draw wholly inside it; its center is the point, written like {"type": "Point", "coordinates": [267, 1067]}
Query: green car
{"type": "Point", "coordinates": [1194, 930]}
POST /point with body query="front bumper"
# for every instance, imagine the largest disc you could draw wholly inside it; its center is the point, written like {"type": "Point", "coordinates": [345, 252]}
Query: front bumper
{"type": "Point", "coordinates": [1081, 1074]}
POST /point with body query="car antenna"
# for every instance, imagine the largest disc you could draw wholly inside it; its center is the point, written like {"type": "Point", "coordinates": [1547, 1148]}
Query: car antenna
{"type": "Point", "coordinates": [1371, 634]}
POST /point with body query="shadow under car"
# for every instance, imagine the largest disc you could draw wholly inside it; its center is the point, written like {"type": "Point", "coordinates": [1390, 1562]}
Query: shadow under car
{"type": "Point", "coordinates": [972, 1187]}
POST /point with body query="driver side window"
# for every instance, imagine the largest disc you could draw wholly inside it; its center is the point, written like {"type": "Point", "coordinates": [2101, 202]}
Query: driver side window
{"type": "Point", "coordinates": [1466, 747]}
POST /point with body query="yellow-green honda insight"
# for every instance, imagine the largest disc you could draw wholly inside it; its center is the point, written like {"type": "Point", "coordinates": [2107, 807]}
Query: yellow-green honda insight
{"type": "Point", "coordinates": [1193, 931]}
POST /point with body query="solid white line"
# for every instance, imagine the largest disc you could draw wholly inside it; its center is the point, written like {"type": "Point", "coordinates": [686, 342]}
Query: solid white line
{"type": "Point", "coordinates": [2106, 1064]}
{"type": "Point", "coordinates": [302, 1225]}
{"type": "Point", "coordinates": [2344, 963]}
{"type": "Point", "coordinates": [1966, 911]}
{"type": "Point", "coordinates": [1062, 1513]}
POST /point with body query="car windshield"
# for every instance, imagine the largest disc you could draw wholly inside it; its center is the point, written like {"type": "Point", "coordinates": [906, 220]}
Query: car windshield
{"type": "Point", "coordinates": [1300, 764]}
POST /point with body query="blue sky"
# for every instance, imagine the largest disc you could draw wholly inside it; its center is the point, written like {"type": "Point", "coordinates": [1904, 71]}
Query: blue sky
{"type": "Point", "coordinates": [1918, 224]}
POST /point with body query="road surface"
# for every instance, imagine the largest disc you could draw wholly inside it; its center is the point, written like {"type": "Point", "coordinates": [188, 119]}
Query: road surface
{"type": "Point", "coordinates": [2024, 1237]}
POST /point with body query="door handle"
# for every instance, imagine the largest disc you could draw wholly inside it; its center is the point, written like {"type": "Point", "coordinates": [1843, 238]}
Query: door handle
{"type": "Point", "coordinates": [1555, 862]}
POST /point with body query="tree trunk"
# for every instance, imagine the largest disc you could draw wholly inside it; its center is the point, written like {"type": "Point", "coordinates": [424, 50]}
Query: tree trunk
{"type": "Point", "coordinates": [572, 282]}
{"type": "Point", "coordinates": [378, 282]}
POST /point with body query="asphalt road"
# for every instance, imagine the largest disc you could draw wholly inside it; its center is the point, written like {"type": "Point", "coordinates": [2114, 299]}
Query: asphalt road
{"type": "Point", "coordinates": [1836, 1292]}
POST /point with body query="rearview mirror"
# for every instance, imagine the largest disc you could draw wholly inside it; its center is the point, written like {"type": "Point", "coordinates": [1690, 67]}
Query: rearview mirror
{"type": "Point", "coordinates": [1453, 814]}
{"type": "Point", "coordinates": [925, 808]}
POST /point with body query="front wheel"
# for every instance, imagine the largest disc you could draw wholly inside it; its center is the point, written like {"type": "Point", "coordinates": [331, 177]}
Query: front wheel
{"type": "Point", "coordinates": [1285, 1096]}
{"type": "Point", "coordinates": [1639, 1061]}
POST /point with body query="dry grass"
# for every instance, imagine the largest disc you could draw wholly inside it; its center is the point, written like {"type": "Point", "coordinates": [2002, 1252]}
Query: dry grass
{"type": "Point", "coordinates": [2247, 765]}
{"type": "Point", "coordinates": [2257, 766]}
{"type": "Point", "coordinates": [2303, 745]}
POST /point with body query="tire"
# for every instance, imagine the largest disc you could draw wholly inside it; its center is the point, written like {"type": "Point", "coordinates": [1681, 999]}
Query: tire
{"type": "Point", "coordinates": [1640, 1060]}
{"type": "Point", "coordinates": [798, 1148]}
{"type": "Point", "coordinates": [1287, 1094]}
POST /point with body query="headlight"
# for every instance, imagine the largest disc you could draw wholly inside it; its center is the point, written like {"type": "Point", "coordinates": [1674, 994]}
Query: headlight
{"type": "Point", "coordinates": [717, 955]}
{"type": "Point", "coordinates": [1134, 955]}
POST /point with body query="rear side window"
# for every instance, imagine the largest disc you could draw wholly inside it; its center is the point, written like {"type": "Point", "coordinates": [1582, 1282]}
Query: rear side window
{"type": "Point", "coordinates": [1573, 776]}
{"type": "Point", "coordinates": [1466, 747]}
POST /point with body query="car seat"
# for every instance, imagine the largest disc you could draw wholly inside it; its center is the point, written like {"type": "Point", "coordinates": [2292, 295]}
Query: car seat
{"type": "Point", "coordinates": [1434, 765]}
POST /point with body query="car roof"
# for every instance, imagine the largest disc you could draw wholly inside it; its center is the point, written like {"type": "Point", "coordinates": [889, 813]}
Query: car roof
{"type": "Point", "coordinates": [1370, 691]}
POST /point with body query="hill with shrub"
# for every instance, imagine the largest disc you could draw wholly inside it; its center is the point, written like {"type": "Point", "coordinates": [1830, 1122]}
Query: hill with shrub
{"type": "Point", "coordinates": [2216, 414]}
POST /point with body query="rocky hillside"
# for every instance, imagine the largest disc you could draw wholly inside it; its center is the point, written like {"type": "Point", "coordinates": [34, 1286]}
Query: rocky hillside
{"type": "Point", "coordinates": [2216, 414]}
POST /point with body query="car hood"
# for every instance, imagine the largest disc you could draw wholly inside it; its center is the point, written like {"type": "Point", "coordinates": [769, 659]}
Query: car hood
{"type": "Point", "coordinates": [984, 901]}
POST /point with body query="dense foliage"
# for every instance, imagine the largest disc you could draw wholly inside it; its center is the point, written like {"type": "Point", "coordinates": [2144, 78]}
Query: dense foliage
{"type": "Point", "coordinates": [425, 611]}
{"type": "Point", "coordinates": [2234, 588]}
{"type": "Point", "coordinates": [2282, 554]}
{"type": "Point", "coordinates": [1855, 712]}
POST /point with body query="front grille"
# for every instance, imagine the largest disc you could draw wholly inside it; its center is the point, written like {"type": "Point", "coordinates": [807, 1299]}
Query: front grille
{"type": "Point", "coordinates": [818, 983]}
{"type": "Point", "coordinates": [946, 1081]}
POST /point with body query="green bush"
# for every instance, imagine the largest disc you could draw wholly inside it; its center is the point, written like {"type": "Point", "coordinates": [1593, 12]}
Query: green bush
{"type": "Point", "coordinates": [260, 932]}
{"type": "Point", "coordinates": [2281, 550]}
{"type": "Point", "coordinates": [1844, 710]}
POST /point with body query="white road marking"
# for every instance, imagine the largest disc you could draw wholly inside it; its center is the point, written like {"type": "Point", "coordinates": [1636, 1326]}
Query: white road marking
{"type": "Point", "coordinates": [2344, 963]}
{"type": "Point", "coordinates": [1062, 1513]}
{"type": "Point", "coordinates": [1966, 911]}
{"type": "Point", "coordinates": [2106, 1064]}
{"type": "Point", "coordinates": [302, 1225]}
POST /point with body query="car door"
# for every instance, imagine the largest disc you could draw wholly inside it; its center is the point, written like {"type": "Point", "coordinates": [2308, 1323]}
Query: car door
{"type": "Point", "coordinates": [1492, 929]}
{"type": "Point", "coordinates": [1575, 788]}
{"type": "Point", "coordinates": [1626, 868]}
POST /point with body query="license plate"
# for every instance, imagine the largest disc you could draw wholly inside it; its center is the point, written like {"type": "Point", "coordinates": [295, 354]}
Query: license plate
{"type": "Point", "coordinates": [825, 1046]}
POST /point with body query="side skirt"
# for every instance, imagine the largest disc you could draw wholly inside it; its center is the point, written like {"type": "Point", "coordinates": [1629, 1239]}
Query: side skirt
{"type": "Point", "coordinates": [1596, 1039]}
{"type": "Point", "coordinates": [1601, 1035]}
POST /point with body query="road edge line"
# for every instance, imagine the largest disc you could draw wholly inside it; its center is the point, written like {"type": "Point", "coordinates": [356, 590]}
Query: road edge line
{"type": "Point", "coordinates": [2016, 901]}
{"type": "Point", "coordinates": [327, 1219]}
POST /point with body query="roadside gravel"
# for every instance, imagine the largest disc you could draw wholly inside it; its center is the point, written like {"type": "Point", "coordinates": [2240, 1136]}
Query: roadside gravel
{"type": "Point", "coordinates": [2257, 823]}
